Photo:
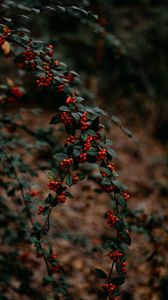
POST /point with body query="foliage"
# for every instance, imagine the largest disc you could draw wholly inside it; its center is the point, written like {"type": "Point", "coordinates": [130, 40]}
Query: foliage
{"type": "Point", "coordinates": [85, 144]}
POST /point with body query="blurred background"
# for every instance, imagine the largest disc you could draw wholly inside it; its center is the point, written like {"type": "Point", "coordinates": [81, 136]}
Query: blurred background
{"type": "Point", "coordinates": [120, 51]}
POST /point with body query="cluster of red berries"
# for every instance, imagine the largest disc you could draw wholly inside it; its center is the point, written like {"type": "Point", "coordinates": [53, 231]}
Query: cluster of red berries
{"type": "Point", "coordinates": [101, 154]}
{"type": "Point", "coordinates": [126, 196]}
{"type": "Point", "coordinates": [66, 118]}
{"type": "Point", "coordinates": [56, 268]}
{"type": "Point", "coordinates": [60, 88]}
{"type": "Point", "coordinates": [50, 50]}
{"type": "Point", "coordinates": [46, 67]}
{"type": "Point", "coordinates": [54, 185]}
{"type": "Point", "coordinates": [108, 188]}
{"type": "Point", "coordinates": [87, 144]}
{"type": "Point", "coordinates": [70, 100]}
{"type": "Point", "coordinates": [44, 81]}
{"type": "Point", "coordinates": [111, 166]}
{"type": "Point", "coordinates": [69, 77]}
{"type": "Point", "coordinates": [82, 157]}
{"type": "Point", "coordinates": [61, 198]}
{"type": "Point", "coordinates": [75, 178]}
{"type": "Point", "coordinates": [70, 140]}
{"type": "Point", "coordinates": [104, 174]}
{"type": "Point", "coordinates": [123, 267]}
{"type": "Point", "coordinates": [109, 287]}
{"type": "Point", "coordinates": [67, 162]}
{"type": "Point", "coordinates": [40, 210]}
{"type": "Point", "coordinates": [29, 55]}
{"type": "Point", "coordinates": [16, 91]}
{"type": "Point", "coordinates": [111, 218]}
{"type": "Point", "coordinates": [2, 40]}
{"type": "Point", "coordinates": [53, 256]}
{"type": "Point", "coordinates": [32, 65]}
{"type": "Point", "coordinates": [115, 255]}
{"type": "Point", "coordinates": [55, 265]}
{"type": "Point", "coordinates": [83, 121]}
{"type": "Point", "coordinates": [6, 30]}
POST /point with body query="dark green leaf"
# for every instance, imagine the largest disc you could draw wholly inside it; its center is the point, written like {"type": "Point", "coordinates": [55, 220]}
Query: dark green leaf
{"type": "Point", "coordinates": [127, 131]}
{"type": "Point", "coordinates": [70, 129]}
{"type": "Point", "coordinates": [126, 237]}
{"type": "Point", "coordinates": [55, 120]}
{"type": "Point", "coordinates": [49, 199]}
{"type": "Point", "coordinates": [64, 108]}
{"type": "Point", "coordinates": [95, 124]}
{"type": "Point", "coordinates": [117, 184]}
{"type": "Point", "coordinates": [68, 194]}
{"type": "Point", "coordinates": [122, 201]}
{"type": "Point", "coordinates": [60, 156]}
{"type": "Point", "coordinates": [47, 280]}
{"type": "Point", "coordinates": [119, 280]}
{"type": "Point", "coordinates": [50, 174]}
{"type": "Point", "coordinates": [112, 152]}
{"type": "Point", "coordinates": [69, 180]}
{"type": "Point", "coordinates": [100, 273]}
{"type": "Point", "coordinates": [84, 135]}
{"type": "Point", "coordinates": [92, 152]}
{"type": "Point", "coordinates": [46, 210]}
{"type": "Point", "coordinates": [116, 120]}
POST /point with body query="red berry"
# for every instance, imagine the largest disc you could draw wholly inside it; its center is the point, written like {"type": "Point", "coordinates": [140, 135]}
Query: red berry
{"type": "Point", "coordinates": [69, 77]}
{"type": "Point", "coordinates": [123, 267]}
{"type": "Point", "coordinates": [54, 185]}
{"type": "Point", "coordinates": [44, 81]}
{"type": "Point", "coordinates": [109, 287]}
{"type": "Point", "coordinates": [66, 118]}
{"type": "Point", "coordinates": [66, 163]}
{"type": "Point", "coordinates": [87, 144]}
{"type": "Point", "coordinates": [55, 268]}
{"type": "Point", "coordinates": [70, 140]}
{"type": "Point", "coordinates": [61, 198]}
{"type": "Point", "coordinates": [70, 100]}
{"type": "Point", "coordinates": [33, 193]}
{"type": "Point", "coordinates": [6, 30]}
{"type": "Point", "coordinates": [2, 40]}
{"type": "Point", "coordinates": [126, 196]}
{"type": "Point", "coordinates": [32, 65]}
{"type": "Point", "coordinates": [102, 154]}
{"type": "Point", "coordinates": [53, 256]}
{"type": "Point", "coordinates": [16, 91]}
{"type": "Point", "coordinates": [115, 255]}
{"type": "Point", "coordinates": [29, 55]}
{"type": "Point", "coordinates": [46, 67]}
{"type": "Point", "coordinates": [83, 121]}
{"type": "Point", "coordinates": [108, 188]}
{"type": "Point", "coordinates": [56, 62]}
{"type": "Point", "coordinates": [103, 173]}
{"type": "Point", "coordinates": [60, 88]}
{"type": "Point", "coordinates": [111, 218]}
{"type": "Point", "coordinates": [40, 210]}
{"type": "Point", "coordinates": [82, 157]}
{"type": "Point", "coordinates": [75, 178]}
{"type": "Point", "coordinates": [111, 166]}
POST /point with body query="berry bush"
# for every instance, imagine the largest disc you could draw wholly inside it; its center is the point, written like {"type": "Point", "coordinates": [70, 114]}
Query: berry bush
{"type": "Point", "coordinates": [83, 151]}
